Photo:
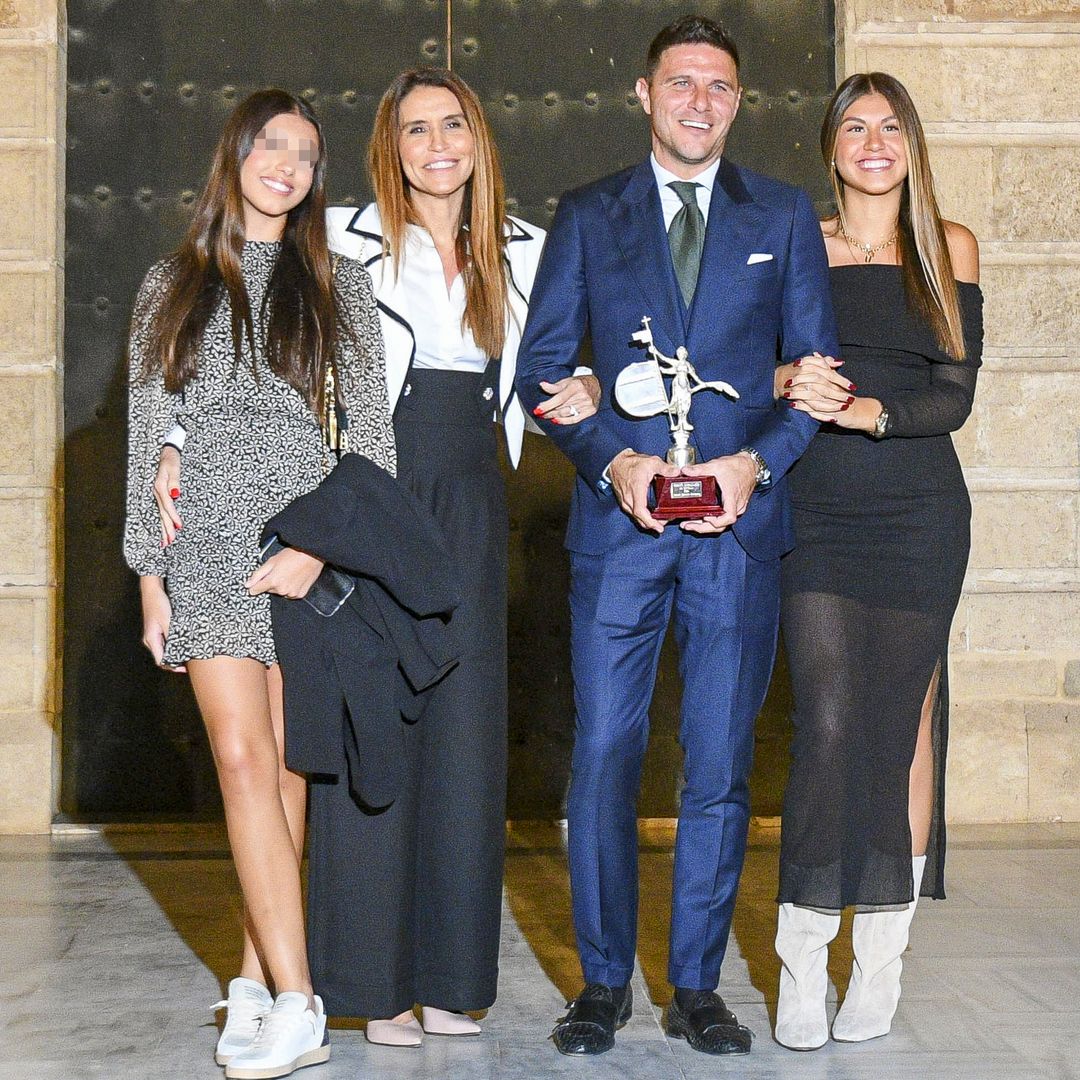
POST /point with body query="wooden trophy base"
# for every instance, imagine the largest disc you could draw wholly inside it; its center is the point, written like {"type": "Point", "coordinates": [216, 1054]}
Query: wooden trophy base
{"type": "Point", "coordinates": [685, 498]}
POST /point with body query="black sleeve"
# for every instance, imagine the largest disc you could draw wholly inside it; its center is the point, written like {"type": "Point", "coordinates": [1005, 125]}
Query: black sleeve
{"type": "Point", "coordinates": [945, 404]}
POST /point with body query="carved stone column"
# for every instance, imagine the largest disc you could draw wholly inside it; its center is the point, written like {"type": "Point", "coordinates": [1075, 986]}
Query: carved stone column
{"type": "Point", "coordinates": [32, 74]}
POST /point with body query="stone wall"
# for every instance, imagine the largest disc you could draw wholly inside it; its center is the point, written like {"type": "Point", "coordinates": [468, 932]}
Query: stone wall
{"type": "Point", "coordinates": [32, 72]}
{"type": "Point", "coordinates": [990, 79]}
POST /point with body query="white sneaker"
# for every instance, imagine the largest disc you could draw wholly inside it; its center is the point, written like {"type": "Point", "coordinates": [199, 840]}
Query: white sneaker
{"type": "Point", "coordinates": [291, 1037]}
{"type": "Point", "coordinates": [248, 1004]}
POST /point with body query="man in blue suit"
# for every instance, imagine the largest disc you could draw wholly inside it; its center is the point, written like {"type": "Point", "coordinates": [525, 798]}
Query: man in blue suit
{"type": "Point", "coordinates": [731, 265]}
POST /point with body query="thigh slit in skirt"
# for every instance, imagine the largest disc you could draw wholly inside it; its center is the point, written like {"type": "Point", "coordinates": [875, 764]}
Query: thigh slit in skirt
{"type": "Point", "coordinates": [868, 597]}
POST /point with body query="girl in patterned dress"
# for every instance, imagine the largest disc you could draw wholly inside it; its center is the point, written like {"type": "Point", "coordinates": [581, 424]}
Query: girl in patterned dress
{"type": "Point", "coordinates": [232, 337]}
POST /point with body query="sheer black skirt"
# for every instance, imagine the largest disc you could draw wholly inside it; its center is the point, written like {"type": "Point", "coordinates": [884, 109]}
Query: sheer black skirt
{"type": "Point", "coordinates": [868, 597]}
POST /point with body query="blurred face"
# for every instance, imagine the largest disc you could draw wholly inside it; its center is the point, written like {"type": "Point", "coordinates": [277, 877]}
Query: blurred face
{"type": "Point", "coordinates": [436, 145]}
{"type": "Point", "coordinates": [692, 100]}
{"type": "Point", "coordinates": [869, 153]}
{"type": "Point", "coordinates": [276, 176]}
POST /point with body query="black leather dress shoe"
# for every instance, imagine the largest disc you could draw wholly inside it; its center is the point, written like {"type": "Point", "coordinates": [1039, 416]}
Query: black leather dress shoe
{"type": "Point", "coordinates": [708, 1025]}
{"type": "Point", "coordinates": [592, 1019]}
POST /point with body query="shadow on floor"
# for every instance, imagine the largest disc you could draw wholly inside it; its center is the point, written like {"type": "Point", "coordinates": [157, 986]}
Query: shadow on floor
{"type": "Point", "coordinates": [538, 894]}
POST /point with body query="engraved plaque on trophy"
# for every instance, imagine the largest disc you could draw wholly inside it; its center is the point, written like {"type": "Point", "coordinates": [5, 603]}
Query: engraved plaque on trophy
{"type": "Point", "coordinates": [641, 392]}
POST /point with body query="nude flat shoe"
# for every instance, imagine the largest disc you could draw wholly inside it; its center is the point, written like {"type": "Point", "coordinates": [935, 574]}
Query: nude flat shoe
{"type": "Point", "coordinates": [388, 1033]}
{"type": "Point", "coordinates": [443, 1022]}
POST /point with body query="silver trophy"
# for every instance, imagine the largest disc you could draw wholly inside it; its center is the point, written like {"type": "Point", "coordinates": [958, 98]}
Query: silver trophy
{"type": "Point", "coordinates": [640, 391]}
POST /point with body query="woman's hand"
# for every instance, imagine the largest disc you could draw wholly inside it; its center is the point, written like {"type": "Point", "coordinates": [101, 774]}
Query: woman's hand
{"type": "Point", "coordinates": [166, 491]}
{"type": "Point", "coordinates": [288, 573]}
{"type": "Point", "coordinates": [813, 384]}
{"type": "Point", "coordinates": [572, 399]}
{"type": "Point", "coordinates": [157, 614]}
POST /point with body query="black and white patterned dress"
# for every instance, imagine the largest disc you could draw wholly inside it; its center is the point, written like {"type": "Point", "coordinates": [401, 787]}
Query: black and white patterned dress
{"type": "Point", "coordinates": [252, 446]}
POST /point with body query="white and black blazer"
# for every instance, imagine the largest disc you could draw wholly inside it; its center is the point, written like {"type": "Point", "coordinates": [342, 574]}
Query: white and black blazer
{"type": "Point", "coordinates": [358, 235]}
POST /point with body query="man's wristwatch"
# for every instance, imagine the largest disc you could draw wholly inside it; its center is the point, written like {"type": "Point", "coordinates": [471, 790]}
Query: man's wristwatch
{"type": "Point", "coordinates": [764, 475]}
{"type": "Point", "coordinates": [880, 424]}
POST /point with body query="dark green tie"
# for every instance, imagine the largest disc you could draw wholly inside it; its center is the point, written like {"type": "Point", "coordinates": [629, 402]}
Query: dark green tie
{"type": "Point", "coordinates": [686, 235]}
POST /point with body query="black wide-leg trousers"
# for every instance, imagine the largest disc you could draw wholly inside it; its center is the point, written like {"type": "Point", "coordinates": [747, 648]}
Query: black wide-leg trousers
{"type": "Point", "coordinates": [404, 904]}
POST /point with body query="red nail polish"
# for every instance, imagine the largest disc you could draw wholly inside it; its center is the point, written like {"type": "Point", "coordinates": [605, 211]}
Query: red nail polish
{"type": "Point", "coordinates": [178, 526]}
{"type": "Point", "coordinates": [786, 394]}
{"type": "Point", "coordinates": [554, 421]}
{"type": "Point", "coordinates": [845, 407]}
{"type": "Point", "coordinates": [797, 363]}
{"type": "Point", "coordinates": [788, 383]}
{"type": "Point", "coordinates": [852, 386]}
{"type": "Point", "coordinates": [848, 402]}
{"type": "Point", "coordinates": [174, 493]}
{"type": "Point", "coordinates": [791, 403]}
{"type": "Point", "coordinates": [832, 419]}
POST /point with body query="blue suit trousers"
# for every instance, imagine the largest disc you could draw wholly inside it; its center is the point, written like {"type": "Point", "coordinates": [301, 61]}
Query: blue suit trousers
{"type": "Point", "coordinates": [725, 609]}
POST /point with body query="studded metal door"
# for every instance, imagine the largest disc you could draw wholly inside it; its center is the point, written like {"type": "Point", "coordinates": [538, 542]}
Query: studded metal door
{"type": "Point", "coordinates": [149, 85]}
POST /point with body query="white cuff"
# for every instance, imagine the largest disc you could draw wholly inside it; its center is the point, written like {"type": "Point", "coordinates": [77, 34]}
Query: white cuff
{"type": "Point", "coordinates": [176, 436]}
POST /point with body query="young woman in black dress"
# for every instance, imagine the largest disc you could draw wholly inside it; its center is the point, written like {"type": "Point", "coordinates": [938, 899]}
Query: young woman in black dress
{"type": "Point", "coordinates": [882, 524]}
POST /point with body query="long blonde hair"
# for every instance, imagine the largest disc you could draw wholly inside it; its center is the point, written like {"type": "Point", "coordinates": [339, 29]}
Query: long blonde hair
{"type": "Point", "coordinates": [924, 253]}
{"type": "Point", "coordinates": [481, 236]}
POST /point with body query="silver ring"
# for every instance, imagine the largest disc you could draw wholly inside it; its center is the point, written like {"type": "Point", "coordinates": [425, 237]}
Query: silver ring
{"type": "Point", "coordinates": [572, 410]}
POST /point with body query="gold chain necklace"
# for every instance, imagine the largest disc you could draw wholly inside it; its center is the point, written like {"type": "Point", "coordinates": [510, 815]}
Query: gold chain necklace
{"type": "Point", "coordinates": [869, 250]}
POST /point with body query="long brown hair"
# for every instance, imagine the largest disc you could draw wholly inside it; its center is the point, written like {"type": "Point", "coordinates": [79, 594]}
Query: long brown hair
{"type": "Point", "coordinates": [924, 253]}
{"type": "Point", "coordinates": [300, 309]}
{"type": "Point", "coordinates": [482, 230]}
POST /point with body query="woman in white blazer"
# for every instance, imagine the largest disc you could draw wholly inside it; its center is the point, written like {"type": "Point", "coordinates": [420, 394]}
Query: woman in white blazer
{"type": "Point", "coordinates": [405, 902]}
{"type": "Point", "coordinates": [358, 234]}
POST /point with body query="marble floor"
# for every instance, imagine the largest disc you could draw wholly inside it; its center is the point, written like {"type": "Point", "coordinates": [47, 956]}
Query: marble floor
{"type": "Point", "coordinates": [114, 944]}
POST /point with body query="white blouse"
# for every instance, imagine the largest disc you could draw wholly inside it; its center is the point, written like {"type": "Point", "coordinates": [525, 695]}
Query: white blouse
{"type": "Point", "coordinates": [441, 341]}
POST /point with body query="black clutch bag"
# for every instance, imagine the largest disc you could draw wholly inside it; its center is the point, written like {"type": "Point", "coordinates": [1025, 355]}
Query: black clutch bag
{"type": "Point", "coordinates": [331, 589]}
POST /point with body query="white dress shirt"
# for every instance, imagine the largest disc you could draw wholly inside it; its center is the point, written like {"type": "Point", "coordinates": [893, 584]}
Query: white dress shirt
{"type": "Point", "coordinates": [441, 341]}
{"type": "Point", "coordinates": [670, 203]}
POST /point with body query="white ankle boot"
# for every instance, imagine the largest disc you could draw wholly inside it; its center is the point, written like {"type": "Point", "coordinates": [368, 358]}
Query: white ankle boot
{"type": "Point", "coordinates": [878, 939]}
{"type": "Point", "coordinates": [802, 943]}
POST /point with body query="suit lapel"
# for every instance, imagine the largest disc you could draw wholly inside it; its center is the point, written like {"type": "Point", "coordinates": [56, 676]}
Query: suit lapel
{"type": "Point", "coordinates": [390, 295]}
{"type": "Point", "coordinates": [513, 414]}
{"type": "Point", "coordinates": [637, 222]}
{"type": "Point", "coordinates": [729, 233]}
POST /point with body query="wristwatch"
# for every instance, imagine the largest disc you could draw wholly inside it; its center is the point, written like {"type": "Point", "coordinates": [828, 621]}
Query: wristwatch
{"type": "Point", "coordinates": [880, 424]}
{"type": "Point", "coordinates": [764, 474]}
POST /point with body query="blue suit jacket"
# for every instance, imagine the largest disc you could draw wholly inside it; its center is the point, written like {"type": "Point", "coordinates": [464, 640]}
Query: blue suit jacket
{"type": "Point", "coordinates": [607, 263]}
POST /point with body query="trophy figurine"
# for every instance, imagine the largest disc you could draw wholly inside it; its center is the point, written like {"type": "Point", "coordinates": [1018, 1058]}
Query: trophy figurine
{"type": "Point", "coordinates": [640, 391]}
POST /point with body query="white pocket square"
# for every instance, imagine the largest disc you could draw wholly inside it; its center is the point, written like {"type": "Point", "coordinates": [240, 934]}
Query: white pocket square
{"type": "Point", "coordinates": [758, 256]}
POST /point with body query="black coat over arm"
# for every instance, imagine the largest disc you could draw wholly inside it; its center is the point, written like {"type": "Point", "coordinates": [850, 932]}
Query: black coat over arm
{"type": "Point", "coordinates": [352, 679]}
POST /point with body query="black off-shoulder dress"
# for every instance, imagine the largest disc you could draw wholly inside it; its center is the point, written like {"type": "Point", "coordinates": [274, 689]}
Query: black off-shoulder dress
{"type": "Point", "coordinates": [869, 594]}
